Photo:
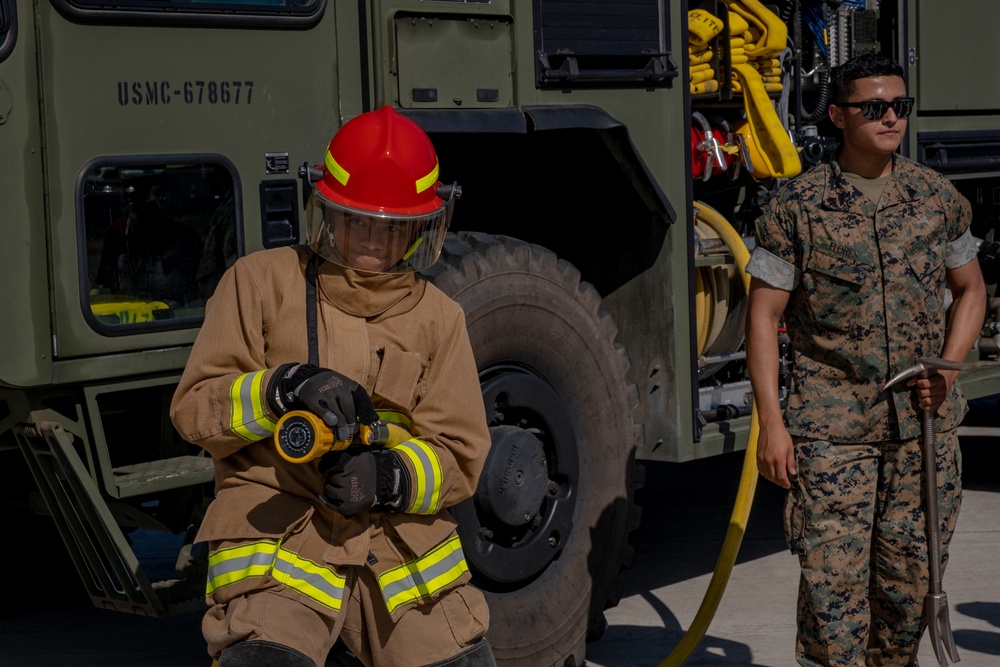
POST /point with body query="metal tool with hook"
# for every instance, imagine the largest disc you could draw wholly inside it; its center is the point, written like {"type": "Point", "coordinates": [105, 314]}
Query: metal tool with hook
{"type": "Point", "coordinates": [936, 601]}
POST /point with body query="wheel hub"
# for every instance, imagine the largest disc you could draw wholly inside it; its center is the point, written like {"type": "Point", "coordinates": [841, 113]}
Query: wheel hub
{"type": "Point", "coordinates": [514, 480]}
{"type": "Point", "coordinates": [522, 512]}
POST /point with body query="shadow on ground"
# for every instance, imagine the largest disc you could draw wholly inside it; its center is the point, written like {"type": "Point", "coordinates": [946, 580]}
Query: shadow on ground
{"type": "Point", "coordinates": [686, 510]}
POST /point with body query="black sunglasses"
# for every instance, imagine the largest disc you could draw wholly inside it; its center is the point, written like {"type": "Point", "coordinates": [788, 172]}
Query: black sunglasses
{"type": "Point", "coordinates": [875, 109]}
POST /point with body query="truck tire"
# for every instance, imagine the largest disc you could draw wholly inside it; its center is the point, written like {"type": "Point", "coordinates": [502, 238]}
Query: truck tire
{"type": "Point", "coordinates": [548, 529]}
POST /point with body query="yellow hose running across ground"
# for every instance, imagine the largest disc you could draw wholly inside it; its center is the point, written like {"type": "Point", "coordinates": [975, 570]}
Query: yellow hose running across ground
{"type": "Point", "coordinates": [748, 477]}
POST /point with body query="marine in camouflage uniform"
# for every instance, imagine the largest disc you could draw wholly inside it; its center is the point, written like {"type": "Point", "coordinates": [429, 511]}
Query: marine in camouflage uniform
{"type": "Point", "coordinates": [864, 279]}
{"type": "Point", "coordinates": [867, 300]}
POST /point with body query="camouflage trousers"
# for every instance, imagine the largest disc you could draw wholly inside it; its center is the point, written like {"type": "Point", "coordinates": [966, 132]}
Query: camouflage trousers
{"type": "Point", "coordinates": [855, 518]}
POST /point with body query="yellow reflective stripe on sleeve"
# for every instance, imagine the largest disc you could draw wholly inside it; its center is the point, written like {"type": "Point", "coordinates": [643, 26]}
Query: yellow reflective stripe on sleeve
{"type": "Point", "coordinates": [425, 576]}
{"type": "Point", "coordinates": [427, 470]}
{"type": "Point", "coordinates": [247, 417]}
{"type": "Point", "coordinates": [428, 180]}
{"type": "Point", "coordinates": [234, 564]}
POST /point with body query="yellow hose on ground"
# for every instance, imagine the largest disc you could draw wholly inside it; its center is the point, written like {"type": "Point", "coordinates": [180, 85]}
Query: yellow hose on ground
{"type": "Point", "coordinates": [748, 478]}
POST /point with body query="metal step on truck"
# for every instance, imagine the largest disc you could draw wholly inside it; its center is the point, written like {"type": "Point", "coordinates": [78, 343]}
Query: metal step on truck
{"type": "Point", "coordinates": [149, 143]}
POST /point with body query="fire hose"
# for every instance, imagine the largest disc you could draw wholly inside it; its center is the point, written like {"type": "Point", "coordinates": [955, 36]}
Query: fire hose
{"type": "Point", "coordinates": [748, 478]}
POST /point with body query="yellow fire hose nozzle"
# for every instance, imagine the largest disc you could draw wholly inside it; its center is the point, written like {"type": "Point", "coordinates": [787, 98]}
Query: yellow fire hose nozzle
{"type": "Point", "coordinates": [302, 436]}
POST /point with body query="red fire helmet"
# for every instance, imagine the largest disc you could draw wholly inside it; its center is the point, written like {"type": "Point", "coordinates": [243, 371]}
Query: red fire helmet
{"type": "Point", "coordinates": [381, 161]}
{"type": "Point", "coordinates": [378, 206]}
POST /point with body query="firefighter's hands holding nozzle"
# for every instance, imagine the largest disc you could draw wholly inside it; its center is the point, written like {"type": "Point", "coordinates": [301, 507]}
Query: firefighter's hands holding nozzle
{"type": "Point", "coordinates": [364, 476]}
{"type": "Point", "coordinates": [325, 393]}
{"type": "Point", "coordinates": [358, 473]}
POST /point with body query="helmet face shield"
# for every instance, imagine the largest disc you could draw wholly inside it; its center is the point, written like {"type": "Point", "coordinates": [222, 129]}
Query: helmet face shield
{"type": "Point", "coordinates": [376, 242]}
{"type": "Point", "coordinates": [377, 205]}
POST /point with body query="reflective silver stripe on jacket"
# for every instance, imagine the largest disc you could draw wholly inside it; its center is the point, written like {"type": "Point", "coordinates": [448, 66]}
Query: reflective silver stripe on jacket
{"type": "Point", "coordinates": [248, 418]}
{"type": "Point", "coordinates": [428, 476]}
{"type": "Point", "coordinates": [234, 564]}
{"type": "Point", "coordinates": [423, 577]}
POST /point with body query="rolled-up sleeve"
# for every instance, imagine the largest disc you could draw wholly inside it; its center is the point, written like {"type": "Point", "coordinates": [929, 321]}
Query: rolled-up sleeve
{"type": "Point", "coordinates": [776, 258]}
{"type": "Point", "coordinates": [773, 270]}
{"type": "Point", "coordinates": [961, 251]}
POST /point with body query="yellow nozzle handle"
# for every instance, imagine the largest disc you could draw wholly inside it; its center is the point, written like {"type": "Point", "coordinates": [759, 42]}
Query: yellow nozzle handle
{"type": "Point", "coordinates": [301, 436]}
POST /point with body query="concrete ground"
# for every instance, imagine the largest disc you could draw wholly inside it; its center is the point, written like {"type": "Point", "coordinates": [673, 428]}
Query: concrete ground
{"type": "Point", "coordinates": [754, 625]}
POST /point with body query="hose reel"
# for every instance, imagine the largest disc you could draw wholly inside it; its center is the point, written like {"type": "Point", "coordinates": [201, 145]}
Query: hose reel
{"type": "Point", "coordinates": [720, 299]}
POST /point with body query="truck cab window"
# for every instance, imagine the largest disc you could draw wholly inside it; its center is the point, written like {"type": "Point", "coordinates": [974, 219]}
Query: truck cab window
{"type": "Point", "coordinates": [157, 239]}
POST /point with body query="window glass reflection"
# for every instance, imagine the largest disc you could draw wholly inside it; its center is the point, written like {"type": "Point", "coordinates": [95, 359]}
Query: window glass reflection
{"type": "Point", "coordinates": [158, 238]}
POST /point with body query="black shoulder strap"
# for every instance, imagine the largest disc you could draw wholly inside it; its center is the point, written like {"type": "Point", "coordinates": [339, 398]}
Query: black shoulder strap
{"type": "Point", "coordinates": [311, 269]}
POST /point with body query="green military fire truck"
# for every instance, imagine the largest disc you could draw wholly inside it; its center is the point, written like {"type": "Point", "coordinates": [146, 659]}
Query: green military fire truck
{"type": "Point", "coordinates": [612, 154]}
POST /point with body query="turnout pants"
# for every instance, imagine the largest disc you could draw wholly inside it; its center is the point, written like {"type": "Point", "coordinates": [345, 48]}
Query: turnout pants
{"type": "Point", "coordinates": [424, 635]}
{"type": "Point", "coordinates": [855, 518]}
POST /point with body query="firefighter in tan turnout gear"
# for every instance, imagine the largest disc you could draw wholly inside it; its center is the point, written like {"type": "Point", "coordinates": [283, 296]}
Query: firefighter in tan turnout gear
{"type": "Point", "coordinates": [358, 543]}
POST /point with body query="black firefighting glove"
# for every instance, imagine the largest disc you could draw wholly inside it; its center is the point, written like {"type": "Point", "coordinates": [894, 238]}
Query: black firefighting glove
{"type": "Point", "coordinates": [326, 393]}
{"type": "Point", "coordinates": [362, 478]}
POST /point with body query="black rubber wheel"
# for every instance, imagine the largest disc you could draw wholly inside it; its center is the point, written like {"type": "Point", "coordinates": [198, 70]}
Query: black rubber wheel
{"type": "Point", "coordinates": [547, 531]}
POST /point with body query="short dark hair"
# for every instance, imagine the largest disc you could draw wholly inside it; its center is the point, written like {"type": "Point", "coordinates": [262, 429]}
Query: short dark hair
{"type": "Point", "coordinates": [842, 78]}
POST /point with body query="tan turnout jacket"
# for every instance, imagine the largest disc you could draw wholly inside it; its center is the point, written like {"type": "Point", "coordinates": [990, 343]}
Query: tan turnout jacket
{"type": "Point", "coordinates": [399, 337]}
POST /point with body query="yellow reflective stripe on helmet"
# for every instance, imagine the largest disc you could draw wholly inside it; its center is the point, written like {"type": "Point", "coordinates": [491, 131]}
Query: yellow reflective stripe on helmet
{"type": "Point", "coordinates": [428, 180]}
{"type": "Point", "coordinates": [336, 170]}
{"type": "Point", "coordinates": [234, 564]}
{"type": "Point", "coordinates": [425, 576]}
{"type": "Point", "coordinates": [427, 470]}
{"type": "Point", "coordinates": [247, 417]}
